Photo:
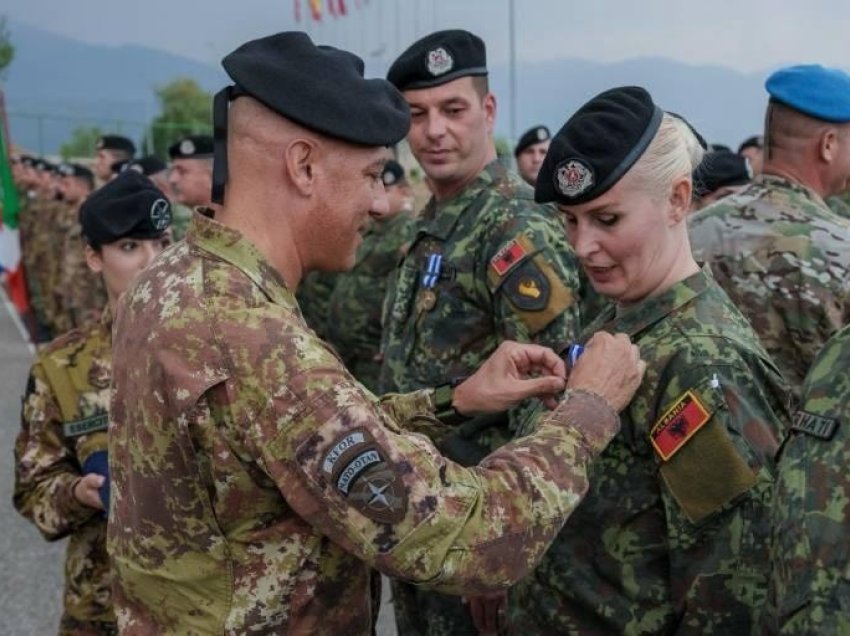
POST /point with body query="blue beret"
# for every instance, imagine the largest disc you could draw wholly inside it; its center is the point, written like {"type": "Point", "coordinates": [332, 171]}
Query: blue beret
{"type": "Point", "coordinates": [128, 206]}
{"type": "Point", "coordinates": [597, 146]}
{"type": "Point", "coordinates": [192, 147]}
{"type": "Point", "coordinates": [439, 58]}
{"type": "Point", "coordinates": [814, 90]}
{"type": "Point", "coordinates": [532, 136]}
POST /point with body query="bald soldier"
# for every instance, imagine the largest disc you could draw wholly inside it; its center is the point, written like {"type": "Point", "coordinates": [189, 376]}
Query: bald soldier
{"type": "Point", "coordinates": [776, 248]}
{"type": "Point", "coordinates": [254, 480]}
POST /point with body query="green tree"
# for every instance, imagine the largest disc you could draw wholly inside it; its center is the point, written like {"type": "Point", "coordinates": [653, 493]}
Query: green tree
{"type": "Point", "coordinates": [185, 109]}
{"type": "Point", "coordinates": [7, 49]}
{"type": "Point", "coordinates": [82, 142]}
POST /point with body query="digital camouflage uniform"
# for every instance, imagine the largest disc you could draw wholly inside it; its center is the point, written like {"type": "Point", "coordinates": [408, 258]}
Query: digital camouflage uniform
{"type": "Point", "coordinates": [354, 317]}
{"type": "Point", "coordinates": [64, 422]}
{"type": "Point", "coordinates": [784, 259]}
{"type": "Point", "coordinates": [840, 204]}
{"type": "Point", "coordinates": [507, 274]}
{"type": "Point", "coordinates": [254, 481]}
{"type": "Point", "coordinates": [81, 291]}
{"type": "Point", "coordinates": [40, 215]}
{"type": "Point", "coordinates": [677, 545]}
{"type": "Point", "coordinates": [181, 216]}
{"type": "Point", "coordinates": [314, 299]}
{"type": "Point", "coordinates": [810, 580]}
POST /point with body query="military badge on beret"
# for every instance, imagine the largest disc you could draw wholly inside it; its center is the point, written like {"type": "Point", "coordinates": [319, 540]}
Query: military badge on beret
{"type": "Point", "coordinates": [160, 214]}
{"type": "Point", "coordinates": [573, 178]}
{"type": "Point", "coordinates": [100, 143]}
{"type": "Point", "coordinates": [187, 147]}
{"type": "Point", "coordinates": [542, 134]}
{"type": "Point", "coordinates": [439, 61]}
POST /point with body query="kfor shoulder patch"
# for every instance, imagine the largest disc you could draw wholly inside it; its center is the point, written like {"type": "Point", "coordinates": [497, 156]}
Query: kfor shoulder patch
{"type": "Point", "coordinates": [681, 421]}
{"type": "Point", "coordinates": [814, 425]}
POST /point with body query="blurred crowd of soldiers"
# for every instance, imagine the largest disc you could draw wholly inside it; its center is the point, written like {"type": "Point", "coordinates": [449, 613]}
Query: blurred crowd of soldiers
{"type": "Point", "coordinates": [494, 256]}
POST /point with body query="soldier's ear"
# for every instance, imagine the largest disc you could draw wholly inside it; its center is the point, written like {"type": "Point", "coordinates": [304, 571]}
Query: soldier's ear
{"type": "Point", "coordinates": [300, 159]}
{"type": "Point", "coordinates": [680, 199]}
{"type": "Point", "coordinates": [94, 259]}
{"type": "Point", "coordinates": [829, 145]}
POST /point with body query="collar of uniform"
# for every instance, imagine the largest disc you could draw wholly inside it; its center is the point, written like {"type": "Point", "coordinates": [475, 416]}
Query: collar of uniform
{"type": "Point", "coordinates": [781, 182]}
{"type": "Point", "coordinates": [635, 319]}
{"type": "Point", "coordinates": [229, 245]}
{"type": "Point", "coordinates": [442, 217]}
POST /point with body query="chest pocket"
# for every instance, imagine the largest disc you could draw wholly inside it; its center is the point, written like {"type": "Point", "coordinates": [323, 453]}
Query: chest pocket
{"type": "Point", "coordinates": [698, 451]}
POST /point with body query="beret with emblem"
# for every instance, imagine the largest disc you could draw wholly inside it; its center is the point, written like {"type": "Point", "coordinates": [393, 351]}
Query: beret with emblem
{"type": "Point", "coordinates": [75, 170]}
{"type": "Point", "coordinates": [814, 90]}
{"type": "Point", "coordinates": [192, 147]}
{"type": "Point", "coordinates": [319, 87]}
{"type": "Point", "coordinates": [530, 137]}
{"type": "Point", "coordinates": [719, 169]}
{"type": "Point", "coordinates": [28, 160]}
{"type": "Point", "coordinates": [439, 58]}
{"type": "Point", "coordinates": [147, 165]}
{"type": "Point", "coordinates": [756, 141]}
{"type": "Point", "coordinates": [116, 142]}
{"type": "Point", "coordinates": [393, 173]}
{"type": "Point", "coordinates": [129, 206]}
{"type": "Point", "coordinates": [597, 146]}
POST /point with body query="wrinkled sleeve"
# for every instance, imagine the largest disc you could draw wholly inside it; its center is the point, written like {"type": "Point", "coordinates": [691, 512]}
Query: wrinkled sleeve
{"type": "Point", "coordinates": [392, 500]}
{"type": "Point", "coordinates": [716, 489]}
{"type": "Point", "coordinates": [46, 469]}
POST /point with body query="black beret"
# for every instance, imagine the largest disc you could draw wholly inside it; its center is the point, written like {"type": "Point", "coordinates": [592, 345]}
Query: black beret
{"type": "Point", "coordinates": [129, 206]}
{"type": "Point", "coordinates": [756, 141]}
{"type": "Point", "coordinates": [44, 165]}
{"type": "Point", "coordinates": [147, 165]}
{"type": "Point", "coordinates": [598, 145]}
{"type": "Point", "coordinates": [192, 147]}
{"type": "Point", "coordinates": [530, 137]}
{"type": "Point", "coordinates": [75, 170]}
{"type": "Point", "coordinates": [393, 173]}
{"type": "Point", "coordinates": [439, 58]}
{"type": "Point", "coordinates": [119, 166]}
{"type": "Point", "coordinates": [719, 169]}
{"type": "Point", "coordinates": [28, 160]}
{"type": "Point", "coordinates": [116, 142]}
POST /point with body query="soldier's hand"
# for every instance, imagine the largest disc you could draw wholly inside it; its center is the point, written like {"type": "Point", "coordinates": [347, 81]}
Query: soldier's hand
{"type": "Point", "coordinates": [488, 612]}
{"type": "Point", "coordinates": [610, 367]}
{"type": "Point", "coordinates": [86, 490]}
{"type": "Point", "coordinates": [513, 373]}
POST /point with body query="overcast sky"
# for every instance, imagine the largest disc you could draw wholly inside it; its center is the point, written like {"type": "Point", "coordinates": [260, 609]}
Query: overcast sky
{"type": "Point", "coordinates": [748, 35]}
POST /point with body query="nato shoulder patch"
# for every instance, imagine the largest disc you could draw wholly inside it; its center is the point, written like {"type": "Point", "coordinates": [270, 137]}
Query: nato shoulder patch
{"type": "Point", "coordinates": [678, 424]}
{"type": "Point", "coordinates": [814, 425]}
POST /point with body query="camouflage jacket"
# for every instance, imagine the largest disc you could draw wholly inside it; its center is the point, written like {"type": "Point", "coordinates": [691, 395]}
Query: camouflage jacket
{"type": "Point", "coordinates": [64, 422]}
{"type": "Point", "coordinates": [840, 204]}
{"type": "Point", "coordinates": [254, 480]}
{"type": "Point", "coordinates": [810, 580]}
{"type": "Point", "coordinates": [502, 269]}
{"type": "Point", "coordinates": [81, 292]}
{"type": "Point", "coordinates": [354, 317]}
{"type": "Point", "coordinates": [314, 299]}
{"type": "Point", "coordinates": [41, 252]}
{"type": "Point", "coordinates": [784, 259]}
{"type": "Point", "coordinates": [675, 545]}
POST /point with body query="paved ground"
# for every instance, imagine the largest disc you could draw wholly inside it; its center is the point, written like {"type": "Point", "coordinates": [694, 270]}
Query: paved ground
{"type": "Point", "coordinates": [31, 568]}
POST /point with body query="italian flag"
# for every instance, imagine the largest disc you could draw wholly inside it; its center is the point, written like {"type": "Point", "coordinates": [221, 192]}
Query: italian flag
{"type": "Point", "coordinates": [10, 247]}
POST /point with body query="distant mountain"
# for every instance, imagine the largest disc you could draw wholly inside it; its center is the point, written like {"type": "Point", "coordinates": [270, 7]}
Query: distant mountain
{"type": "Point", "coordinates": [73, 83]}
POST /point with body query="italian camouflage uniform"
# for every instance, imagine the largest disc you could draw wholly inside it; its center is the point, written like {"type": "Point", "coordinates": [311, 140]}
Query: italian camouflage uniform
{"type": "Point", "coordinates": [673, 535]}
{"type": "Point", "coordinates": [810, 579]}
{"type": "Point", "coordinates": [181, 216]}
{"type": "Point", "coordinates": [314, 299]}
{"type": "Point", "coordinates": [354, 316]}
{"type": "Point", "coordinates": [485, 266]}
{"type": "Point", "coordinates": [254, 481]}
{"type": "Point", "coordinates": [81, 292]}
{"type": "Point", "coordinates": [64, 423]}
{"type": "Point", "coordinates": [784, 259]}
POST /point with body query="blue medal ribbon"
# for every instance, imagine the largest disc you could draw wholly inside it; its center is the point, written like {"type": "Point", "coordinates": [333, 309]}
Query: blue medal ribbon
{"type": "Point", "coordinates": [432, 271]}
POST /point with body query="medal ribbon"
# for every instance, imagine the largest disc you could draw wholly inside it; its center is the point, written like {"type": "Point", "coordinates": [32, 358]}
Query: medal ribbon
{"type": "Point", "coordinates": [432, 271]}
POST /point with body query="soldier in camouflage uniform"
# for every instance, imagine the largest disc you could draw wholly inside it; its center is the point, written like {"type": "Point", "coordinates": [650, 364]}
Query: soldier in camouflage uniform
{"type": "Point", "coordinates": [672, 536]}
{"type": "Point", "coordinates": [314, 299]}
{"type": "Point", "coordinates": [486, 265]}
{"type": "Point", "coordinates": [190, 178]}
{"type": "Point", "coordinates": [61, 481]}
{"type": "Point", "coordinates": [776, 248]}
{"type": "Point", "coordinates": [254, 480]}
{"type": "Point", "coordinates": [80, 292]}
{"type": "Point", "coordinates": [840, 204]}
{"type": "Point", "coordinates": [354, 316]}
{"type": "Point", "coordinates": [809, 579]}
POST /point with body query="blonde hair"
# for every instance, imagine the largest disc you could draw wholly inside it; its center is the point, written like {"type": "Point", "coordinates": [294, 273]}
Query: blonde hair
{"type": "Point", "coordinates": [674, 152]}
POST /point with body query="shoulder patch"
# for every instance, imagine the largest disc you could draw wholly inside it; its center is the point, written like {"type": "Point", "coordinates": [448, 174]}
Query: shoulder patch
{"type": "Point", "coordinates": [99, 422]}
{"type": "Point", "coordinates": [681, 421]}
{"type": "Point", "coordinates": [509, 256]}
{"type": "Point", "coordinates": [814, 425]}
{"type": "Point", "coordinates": [528, 288]}
{"type": "Point", "coordinates": [537, 294]}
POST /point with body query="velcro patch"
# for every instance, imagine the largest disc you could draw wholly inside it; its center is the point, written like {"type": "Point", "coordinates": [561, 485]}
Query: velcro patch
{"type": "Point", "coordinates": [510, 255]}
{"type": "Point", "coordinates": [92, 424]}
{"type": "Point", "coordinates": [380, 494]}
{"type": "Point", "coordinates": [681, 421]}
{"type": "Point", "coordinates": [528, 288]}
{"type": "Point", "coordinates": [814, 425]}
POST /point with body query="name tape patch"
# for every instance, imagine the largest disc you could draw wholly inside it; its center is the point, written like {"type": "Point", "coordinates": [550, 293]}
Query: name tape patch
{"type": "Point", "coordinates": [339, 447]}
{"type": "Point", "coordinates": [92, 424]}
{"type": "Point", "coordinates": [681, 421]}
{"type": "Point", "coordinates": [814, 425]}
{"type": "Point", "coordinates": [355, 467]}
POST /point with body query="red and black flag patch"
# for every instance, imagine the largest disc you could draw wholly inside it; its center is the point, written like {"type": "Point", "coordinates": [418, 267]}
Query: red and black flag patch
{"type": "Point", "coordinates": [681, 421]}
{"type": "Point", "coordinates": [509, 255]}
